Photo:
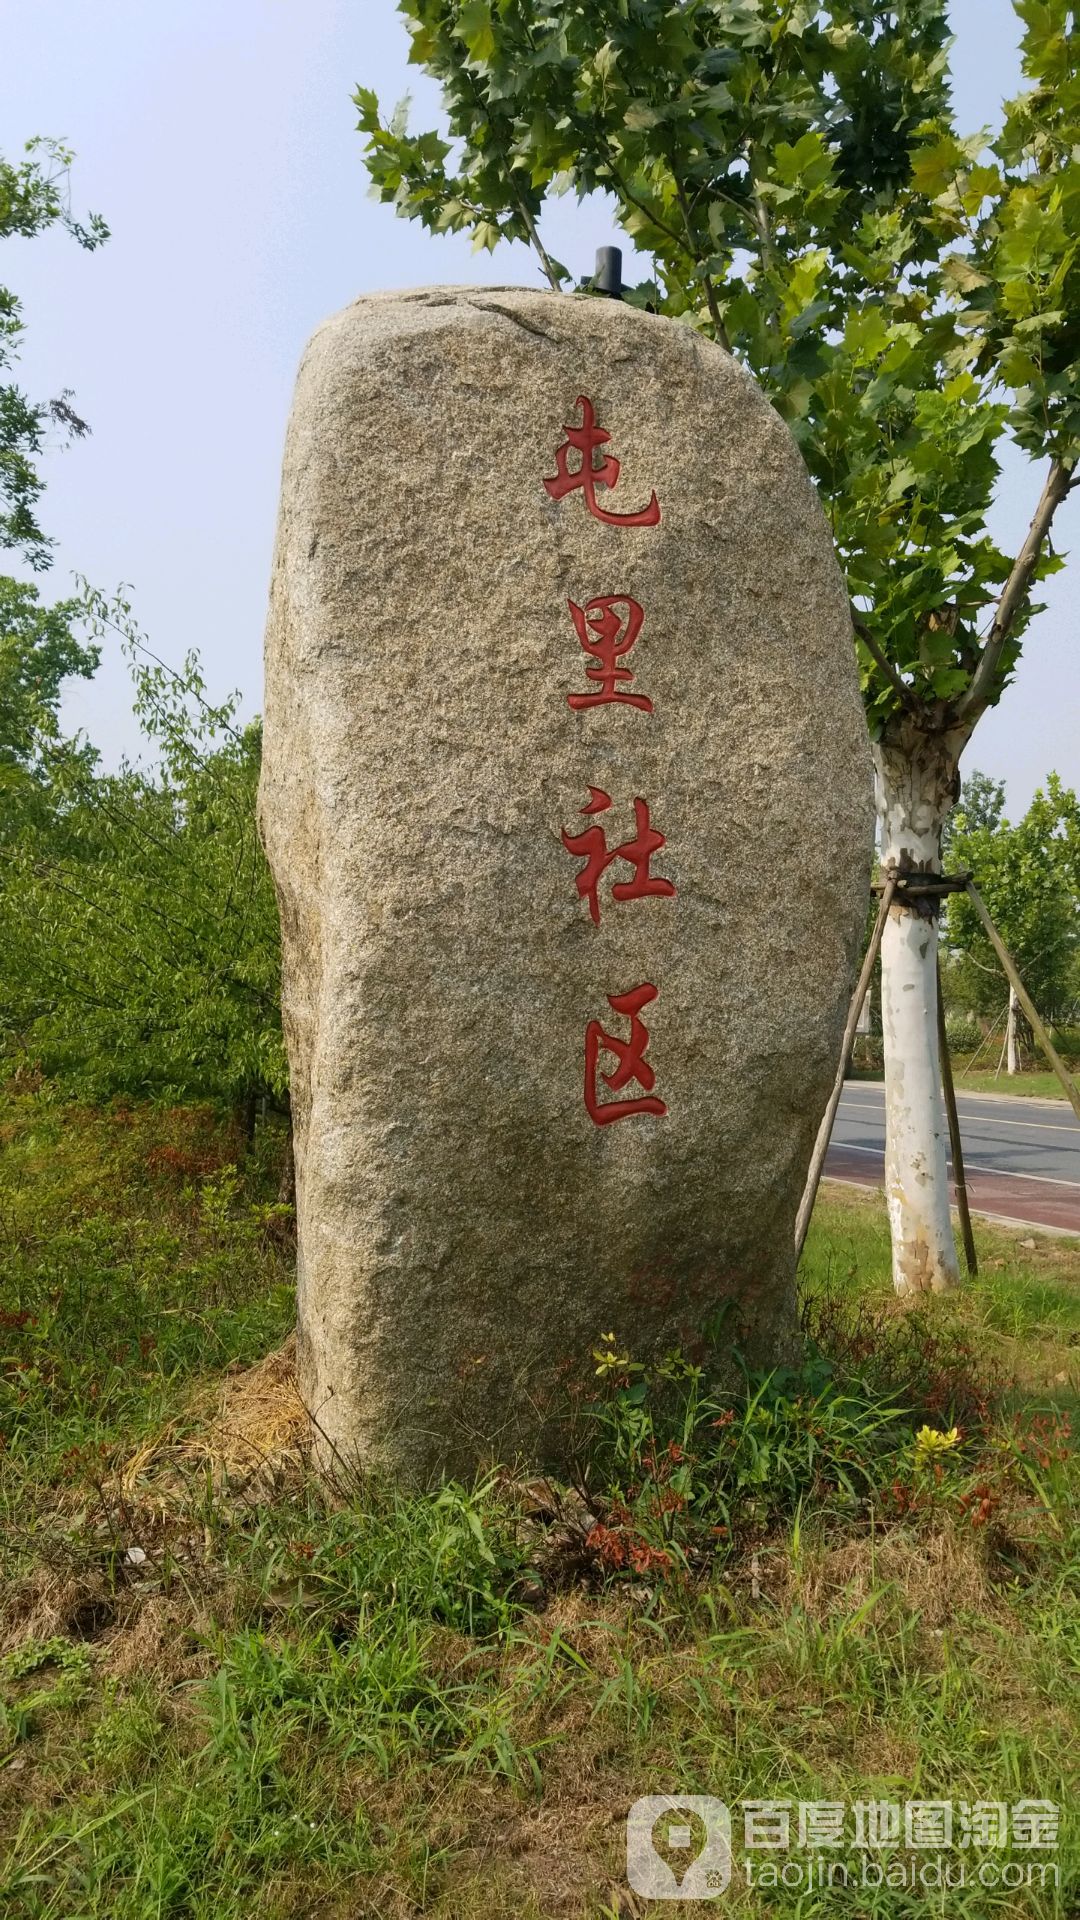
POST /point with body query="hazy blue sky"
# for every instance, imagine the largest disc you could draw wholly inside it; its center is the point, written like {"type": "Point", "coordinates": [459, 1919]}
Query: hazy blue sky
{"type": "Point", "coordinates": [218, 140]}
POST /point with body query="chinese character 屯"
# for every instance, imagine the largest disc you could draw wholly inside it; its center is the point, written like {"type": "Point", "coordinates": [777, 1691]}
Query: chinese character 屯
{"type": "Point", "coordinates": [593, 847]}
{"type": "Point", "coordinates": [607, 635]}
{"type": "Point", "coordinates": [630, 1056]}
{"type": "Point", "coordinates": [586, 439]}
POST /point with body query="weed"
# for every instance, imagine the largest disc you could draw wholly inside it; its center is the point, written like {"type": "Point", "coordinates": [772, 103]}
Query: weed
{"type": "Point", "coordinates": [857, 1580]}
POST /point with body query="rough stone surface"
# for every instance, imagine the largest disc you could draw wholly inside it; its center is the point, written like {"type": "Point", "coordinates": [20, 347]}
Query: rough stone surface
{"type": "Point", "coordinates": [467, 1231]}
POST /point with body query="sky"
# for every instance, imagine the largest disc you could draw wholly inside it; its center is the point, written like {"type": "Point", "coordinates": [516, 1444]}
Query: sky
{"type": "Point", "coordinates": [219, 143]}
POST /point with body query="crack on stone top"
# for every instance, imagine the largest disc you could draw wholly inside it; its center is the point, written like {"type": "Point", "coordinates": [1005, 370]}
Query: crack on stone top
{"type": "Point", "coordinates": [492, 306]}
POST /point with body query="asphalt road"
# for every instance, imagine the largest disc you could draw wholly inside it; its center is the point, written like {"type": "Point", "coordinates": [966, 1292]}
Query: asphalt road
{"type": "Point", "coordinates": [1022, 1157]}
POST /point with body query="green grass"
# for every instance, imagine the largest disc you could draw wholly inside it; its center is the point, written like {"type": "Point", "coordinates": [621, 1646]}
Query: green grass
{"type": "Point", "coordinates": [342, 1702]}
{"type": "Point", "coordinates": [1027, 1085]}
{"type": "Point", "coordinates": [1040, 1086]}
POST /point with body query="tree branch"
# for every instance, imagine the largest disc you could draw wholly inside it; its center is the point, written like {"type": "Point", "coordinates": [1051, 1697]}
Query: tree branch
{"type": "Point", "coordinates": [714, 312]}
{"type": "Point", "coordinates": [644, 207]}
{"type": "Point", "coordinates": [768, 258]}
{"type": "Point", "coordinates": [534, 236]}
{"type": "Point", "coordinates": [706, 279]}
{"type": "Point", "coordinates": [971, 704]}
{"type": "Point", "coordinates": [884, 665]}
{"type": "Point", "coordinates": [531, 229]}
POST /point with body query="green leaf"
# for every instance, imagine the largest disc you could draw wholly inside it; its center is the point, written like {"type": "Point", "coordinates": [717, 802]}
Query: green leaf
{"type": "Point", "coordinates": [807, 164]}
{"type": "Point", "coordinates": [475, 26]}
{"type": "Point", "coordinates": [866, 334]}
{"type": "Point", "coordinates": [368, 102]}
{"type": "Point", "coordinates": [640, 117]}
{"type": "Point", "coordinates": [486, 236]}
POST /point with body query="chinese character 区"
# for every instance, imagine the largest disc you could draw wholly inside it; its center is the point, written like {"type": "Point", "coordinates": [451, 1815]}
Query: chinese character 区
{"type": "Point", "coordinates": [593, 847]}
{"type": "Point", "coordinates": [606, 636]}
{"type": "Point", "coordinates": [630, 1055]}
{"type": "Point", "coordinates": [586, 439]}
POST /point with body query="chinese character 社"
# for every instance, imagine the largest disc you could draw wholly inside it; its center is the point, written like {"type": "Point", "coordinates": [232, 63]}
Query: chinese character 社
{"type": "Point", "coordinates": [593, 847]}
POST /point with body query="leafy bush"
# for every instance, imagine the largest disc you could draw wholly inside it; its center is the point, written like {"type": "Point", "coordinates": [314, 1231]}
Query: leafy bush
{"type": "Point", "coordinates": [139, 942]}
{"type": "Point", "coordinates": [963, 1033]}
{"type": "Point", "coordinates": [690, 1474]}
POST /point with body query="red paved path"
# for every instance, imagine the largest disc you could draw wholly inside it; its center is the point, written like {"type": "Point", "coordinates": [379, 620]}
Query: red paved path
{"type": "Point", "coordinates": [1037, 1203]}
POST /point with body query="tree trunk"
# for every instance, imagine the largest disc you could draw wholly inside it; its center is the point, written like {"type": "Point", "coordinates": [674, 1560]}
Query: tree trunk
{"type": "Point", "coordinates": [287, 1183]}
{"type": "Point", "coordinates": [917, 785]}
{"type": "Point", "coordinates": [1013, 1051]}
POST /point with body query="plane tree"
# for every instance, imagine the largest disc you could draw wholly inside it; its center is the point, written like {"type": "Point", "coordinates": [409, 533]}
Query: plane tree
{"type": "Point", "coordinates": [906, 292]}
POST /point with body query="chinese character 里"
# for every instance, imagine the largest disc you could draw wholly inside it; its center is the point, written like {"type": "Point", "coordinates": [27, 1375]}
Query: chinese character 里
{"type": "Point", "coordinates": [593, 847]}
{"type": "Point", "coordinates": [608, 634]}
{"type": "Point", "coordinates": [630, 1059]}
{"type": "Point", "coordinates": [586, 440]}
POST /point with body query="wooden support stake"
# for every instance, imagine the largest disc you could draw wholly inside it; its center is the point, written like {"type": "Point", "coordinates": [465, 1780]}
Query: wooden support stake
{"type": "Point", "coordinates": [1025, 1000]}
{"type": "Point", "coordinates": [821, 1144]}
{"type": "Point", "coordinates": [959, 1176]}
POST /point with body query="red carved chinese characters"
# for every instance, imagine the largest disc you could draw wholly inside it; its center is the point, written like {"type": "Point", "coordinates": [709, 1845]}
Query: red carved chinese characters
{"type": "Point", "coordinates": [607, 628]}
{"type": "Point", "coordinates": [629, 1056]}
{"type": "Point", "coordinates": [586, 439]}
{"type": "Point", "coordinates": [593, 847]}
{"type": "Point", "coordinates": [607, 636]}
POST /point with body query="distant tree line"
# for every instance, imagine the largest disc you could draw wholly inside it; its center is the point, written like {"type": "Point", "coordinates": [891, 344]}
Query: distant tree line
{"type": "Point", "coordinates": [1029, 877]}
{"type": "Point", "coordinates": [138, 930]}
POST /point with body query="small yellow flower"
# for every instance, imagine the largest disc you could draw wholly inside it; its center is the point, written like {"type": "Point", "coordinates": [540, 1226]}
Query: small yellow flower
{"type": "Point", "coordinates": [928, 1442]}
{"type": "Point", "coordinates": [610, 1360]}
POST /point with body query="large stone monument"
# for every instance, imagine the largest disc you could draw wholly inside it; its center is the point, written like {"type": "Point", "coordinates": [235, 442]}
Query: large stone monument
{"type": "Point", "coordinates": [566, 791]}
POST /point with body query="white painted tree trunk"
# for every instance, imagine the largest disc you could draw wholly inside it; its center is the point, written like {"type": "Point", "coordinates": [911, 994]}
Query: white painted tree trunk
{"type": "Point", "coordinates": [916, 776]}
{"type": "Point", "coordinates": [1013, 1061]}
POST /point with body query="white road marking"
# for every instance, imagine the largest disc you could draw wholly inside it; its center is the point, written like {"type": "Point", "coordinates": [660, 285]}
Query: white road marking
{"type": "Point", "coordinates": [977, 1119]}
{"type": "Point", "coordinates": [970, 1166]}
